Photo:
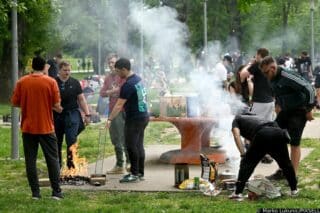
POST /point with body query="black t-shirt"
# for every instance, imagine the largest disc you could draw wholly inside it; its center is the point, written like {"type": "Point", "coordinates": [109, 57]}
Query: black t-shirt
{"type": "Point", "coordinates": [69, 92]}
{"type": "Point", "coordinates": [135, 94]}
{"type": "Point", "coordinates": [53, 69]}
{"type": "Point", "coordinates": [250, 124]}
{"type": "Point", "coordinates": [303, 64]}
{"type": "Point", "coordinates": [317, 74]}
{"type": "Point", "coordinates": [262, 92]}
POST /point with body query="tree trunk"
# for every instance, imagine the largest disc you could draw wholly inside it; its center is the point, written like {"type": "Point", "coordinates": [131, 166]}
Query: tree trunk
{"type": "Point", "coordinates": [236, 31]}
{"type": "Point", "coordinates": [6, 86]}
{"type": "Point", "coordinates": [285, 13]}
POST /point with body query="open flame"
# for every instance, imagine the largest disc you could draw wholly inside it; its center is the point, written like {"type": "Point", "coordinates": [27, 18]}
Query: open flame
{"type": "Point", "coordinates": [80, 164]}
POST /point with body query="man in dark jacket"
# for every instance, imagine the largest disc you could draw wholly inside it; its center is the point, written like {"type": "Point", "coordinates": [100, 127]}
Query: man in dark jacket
{"type": "Point", "coordinates": [295, 98]}
{"type": "Point", "coordinates": [266, 138]}
{"type": "Point", "coordinates": [54, 65]}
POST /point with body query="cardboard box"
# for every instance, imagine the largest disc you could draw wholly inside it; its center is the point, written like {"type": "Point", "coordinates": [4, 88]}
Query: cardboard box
{"type": "Point", "coordinates": [173, 106]}
{"type": "Point", "coordinates": [98, 179]}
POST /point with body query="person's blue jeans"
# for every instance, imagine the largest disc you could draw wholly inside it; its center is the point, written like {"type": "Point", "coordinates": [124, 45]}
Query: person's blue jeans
{"type": "Point", "coordinates": [68, 124]}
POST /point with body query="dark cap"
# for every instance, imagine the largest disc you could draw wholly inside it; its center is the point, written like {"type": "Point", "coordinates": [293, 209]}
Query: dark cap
{"type": "Point", "coordinates": [227, 58]}
{"type": "Point", "coordinates": [38, 63]}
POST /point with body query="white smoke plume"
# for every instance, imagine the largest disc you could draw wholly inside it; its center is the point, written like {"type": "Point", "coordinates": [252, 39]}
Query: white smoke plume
{"type": "Point", "coordinates": [166, 38]}
{"type": "Point", "coordinates": [164, 34]}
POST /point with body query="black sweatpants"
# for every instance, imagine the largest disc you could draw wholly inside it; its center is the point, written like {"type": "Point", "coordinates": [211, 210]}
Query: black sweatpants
{"type": "Point", "coordinates": [272, 141]}
{"type": "Point", "coordinates": [48, 143]}
{"type": "Point", "coordinates": [134, 136]}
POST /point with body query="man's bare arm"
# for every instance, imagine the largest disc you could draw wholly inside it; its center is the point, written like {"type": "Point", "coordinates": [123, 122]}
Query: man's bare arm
{"type": "Point", "coordinates": [237, 139]}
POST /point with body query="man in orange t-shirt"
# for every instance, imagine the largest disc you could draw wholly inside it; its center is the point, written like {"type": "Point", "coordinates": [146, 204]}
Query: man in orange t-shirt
{"type": "Point", "coordinates": [37, 94]}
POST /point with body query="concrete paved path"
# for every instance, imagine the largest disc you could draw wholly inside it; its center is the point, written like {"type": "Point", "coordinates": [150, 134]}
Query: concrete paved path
{"type": "Point", "coordinates": [159, 176]}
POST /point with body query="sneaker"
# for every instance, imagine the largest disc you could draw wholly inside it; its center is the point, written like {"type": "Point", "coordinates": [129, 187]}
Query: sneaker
{"type": "Point", "coordinates": [294, 193]}
{"type": "Point", "coordinates": [57, 195]}
{"type": "Point", "coordinates": [36, 196]}
{"type": "Point", "coordinates": [141, 177]}
{"type": "Point", "coordinates": [278, 175]}
{"type": "Point", "coordinates": [129, 179]}
{"type": "Point", "coordinates": [116, 170]}
{"type": "Point", "coordinates": [237, 197]}
{"type": "Point", "coordinates": [70, 164]}
{"type": "Point", "coordinates": [128, 167]}
{"type": "Point", "coordinates": [266, 159]}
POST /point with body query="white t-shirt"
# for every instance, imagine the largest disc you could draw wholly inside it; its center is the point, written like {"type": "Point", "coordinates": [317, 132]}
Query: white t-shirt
{"type": "Point", "coordinates": [220, 72]}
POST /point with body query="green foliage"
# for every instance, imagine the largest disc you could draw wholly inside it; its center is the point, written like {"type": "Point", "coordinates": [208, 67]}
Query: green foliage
{"type": "Point", "coordinates": [37, 26]}
{"type": "Point", "coordinates": [269, 28]}
{"type": "Point", "coordinates": [35, 34]}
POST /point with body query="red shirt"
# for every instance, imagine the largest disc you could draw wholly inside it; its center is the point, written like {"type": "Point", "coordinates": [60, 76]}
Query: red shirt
{"type": "Point", "coordinates": [36, 94]}
{"type": "Point", "coordinates": [112, 81]}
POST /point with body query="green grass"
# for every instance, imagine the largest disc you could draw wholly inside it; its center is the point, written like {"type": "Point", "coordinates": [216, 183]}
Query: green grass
{"type": "Point", "coordinates": [81, 75]}
{"type": "Point", "coordinates": [316, 114]}
{"type": "Point", "coordinates": [5, 109]}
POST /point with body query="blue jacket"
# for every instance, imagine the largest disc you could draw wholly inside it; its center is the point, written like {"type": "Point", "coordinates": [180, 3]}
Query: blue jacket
{"type": "Point", "coordinates": [292, 91]}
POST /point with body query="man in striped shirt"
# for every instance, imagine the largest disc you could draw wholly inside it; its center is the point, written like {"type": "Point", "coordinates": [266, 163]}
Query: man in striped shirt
{"type": "Point", "coordinates": [294, 99]}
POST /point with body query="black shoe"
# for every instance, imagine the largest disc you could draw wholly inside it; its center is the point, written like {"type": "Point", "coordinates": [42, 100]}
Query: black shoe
{"type": "Point", "coordinates": [70, 164]}
{"type": "Point", "coordinates": [266, 159]}
{"type": "Point", "coordinates": [129, 179]}
{"type": "Point", "coordinates": [57, 195]}
{"type": "Point", "coordinates": [36, 196]}
{"type": "Point", "coordinates": [141, 177]}
{"type": "Point", "coordinates": [278, 175]}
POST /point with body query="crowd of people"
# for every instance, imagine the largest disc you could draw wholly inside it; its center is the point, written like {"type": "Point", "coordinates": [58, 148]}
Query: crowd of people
{"type": "Point", "coordinates": [279, 94]}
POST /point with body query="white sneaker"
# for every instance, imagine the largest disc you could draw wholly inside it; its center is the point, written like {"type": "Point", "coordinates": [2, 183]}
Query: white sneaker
{"type": "Point", "coordinates": [237, 197]}
{"type": "Point", "coordinates": [294, 193]}
{"type": "Point", "coordinates": [128, 167]}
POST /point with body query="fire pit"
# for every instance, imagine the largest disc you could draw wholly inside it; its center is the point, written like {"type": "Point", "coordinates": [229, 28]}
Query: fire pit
{"type": "Point", "coordinates": [74, 180]}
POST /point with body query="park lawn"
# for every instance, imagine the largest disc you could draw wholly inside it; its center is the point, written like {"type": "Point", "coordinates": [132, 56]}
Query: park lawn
{"type": "Point", "coordinates": [5, 109]}
{"type": "Point", "coordinates": [15, 193]}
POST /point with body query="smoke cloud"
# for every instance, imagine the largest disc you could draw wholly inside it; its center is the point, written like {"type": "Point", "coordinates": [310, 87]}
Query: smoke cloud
{"type": "Point", "coordinates": [166, 38]}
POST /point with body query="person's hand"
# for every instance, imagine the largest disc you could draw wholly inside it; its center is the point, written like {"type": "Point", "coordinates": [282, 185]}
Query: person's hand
{"type": "Point", "coordinates": [309, 116]}
{"type": "Point", "coordinates": [58, 109]}
{"type": "Point", "coordinates": [277, 109]}
{"type": "Point", "coordinates": [108, 123]}
{"type": "Point", "coordinates": [108, 92]}
{"type": "Point", "coordinates": [87, 119]}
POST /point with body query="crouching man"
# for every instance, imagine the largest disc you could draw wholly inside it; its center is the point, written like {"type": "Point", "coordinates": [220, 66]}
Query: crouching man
{"type": "Point", "coordinates": [266, 138]}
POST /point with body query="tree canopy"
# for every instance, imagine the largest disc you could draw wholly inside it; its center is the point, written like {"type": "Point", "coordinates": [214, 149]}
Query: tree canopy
{"type": "Point", "coordinates": [50, 26]}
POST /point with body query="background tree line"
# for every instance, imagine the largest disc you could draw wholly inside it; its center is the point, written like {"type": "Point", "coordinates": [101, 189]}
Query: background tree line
{"type": "Point", "coordinates": [74, 27]}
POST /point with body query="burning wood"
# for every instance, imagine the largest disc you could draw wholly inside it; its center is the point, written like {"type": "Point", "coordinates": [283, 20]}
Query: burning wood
{"type": "Point", "coordinates": [79, 165]}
